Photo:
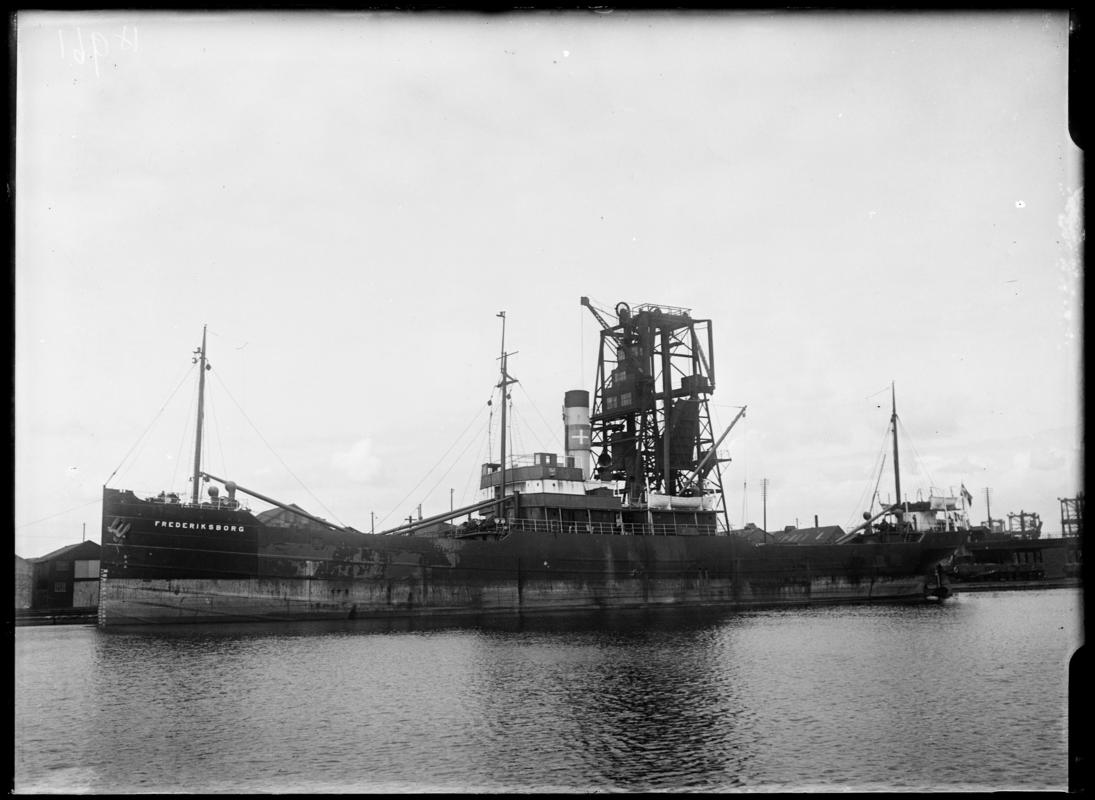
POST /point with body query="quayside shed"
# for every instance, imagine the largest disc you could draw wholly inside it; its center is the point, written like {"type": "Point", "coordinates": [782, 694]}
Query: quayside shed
{"type": "Point", "coordinates": [67, 578]}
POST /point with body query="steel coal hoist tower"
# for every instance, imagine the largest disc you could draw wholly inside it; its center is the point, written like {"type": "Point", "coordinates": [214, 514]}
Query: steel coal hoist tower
{"type": "Point", "coordinates": [651, 427]}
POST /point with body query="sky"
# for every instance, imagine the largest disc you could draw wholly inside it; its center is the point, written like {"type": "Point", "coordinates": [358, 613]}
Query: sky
{"type": "Point", "coordinates": [862, 203]}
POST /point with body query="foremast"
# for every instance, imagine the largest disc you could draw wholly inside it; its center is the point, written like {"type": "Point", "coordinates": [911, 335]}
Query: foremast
{"type": "Point", "coordinates": [199, 358]}
{"type": "Point", "coordinates": [896, 461]}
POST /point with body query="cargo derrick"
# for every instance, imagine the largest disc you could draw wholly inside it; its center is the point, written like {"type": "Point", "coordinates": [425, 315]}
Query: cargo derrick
{"type": "Point", "coordinates": [650, 422]}
{"type": "Point", "coordinates": [549, 537]}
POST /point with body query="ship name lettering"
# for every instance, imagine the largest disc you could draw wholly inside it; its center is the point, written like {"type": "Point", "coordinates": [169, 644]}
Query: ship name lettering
{"type": "Point", "coordinates": [199, 526]}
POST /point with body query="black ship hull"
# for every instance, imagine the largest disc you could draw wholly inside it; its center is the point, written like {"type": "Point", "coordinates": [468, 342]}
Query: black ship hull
{"type": "Point", "coordinates": [176, 563]}
{"type": "Point", "coordinates": [1013, 562]}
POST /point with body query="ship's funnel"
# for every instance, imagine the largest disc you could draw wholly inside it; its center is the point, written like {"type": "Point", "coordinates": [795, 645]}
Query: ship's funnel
{"type": "Point", "coordinates": [576, 420]}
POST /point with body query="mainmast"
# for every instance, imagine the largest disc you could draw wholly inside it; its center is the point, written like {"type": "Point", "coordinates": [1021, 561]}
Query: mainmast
{"type": "Point", "coordinates": [503, 385]}
{"type": "Point", "coordinates": [896, 463]}
{"type": "Point", "coordinates": [199, 359]}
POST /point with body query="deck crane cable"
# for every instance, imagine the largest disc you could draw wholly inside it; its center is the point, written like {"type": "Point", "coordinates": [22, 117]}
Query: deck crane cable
{"type": "Point", "coordinates": [717, 466]}
{"type": "Point", "coordinates": [186, 374]}
{"type": "Point", "coordinates": [484, 457]}
{"type": "Point", "coordinates": [184, 438]}
{"type": "Point", "coordinates": [431, 469]}
{"type": "Point", "coordinates": [744, 500]}
{"type": "Point", "coordinates": [455, 461]}
{"type": "Point", "coordinates": [547, 425]}
{"type": "Point", "coordinates": [919, 459]}
{"type": "Point", "coordinates": [519, 428]}
{"type": "Point", "coordinates": [743, 460]}
{"type": "Point", "coordinates": [22, 525]}
{"type": "Point", "coordinates": [490, 426]}
{"type": "Point", "coordinates": [217, 432]}
{"type": "Point", "coordinates": [274, 452]}
{"type": "Point", "coordinates": [874, 495]}
{"type": "Point", "coordinates": [876, 470]}
{"type": "Point", "coordinates": [517, 444]}
{"type": "Point", "coordinates": [581, 347]}
{"type": "Point", "coordinates": [598, 311]}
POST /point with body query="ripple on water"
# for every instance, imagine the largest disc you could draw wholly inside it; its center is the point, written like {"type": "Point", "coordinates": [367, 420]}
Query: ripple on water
{"type": "Point", "coordinates": [967, 695]}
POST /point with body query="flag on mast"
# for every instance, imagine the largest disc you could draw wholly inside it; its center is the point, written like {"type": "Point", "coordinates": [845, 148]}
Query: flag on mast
{"type": "Point", "coordinates": [966, 494]}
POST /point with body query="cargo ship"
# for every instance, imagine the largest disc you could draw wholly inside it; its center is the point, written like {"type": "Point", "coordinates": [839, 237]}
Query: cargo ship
{"type": "Point", "coordinates": [1015, 553]}
{"type": "Point", "coordinates": [631, 515]}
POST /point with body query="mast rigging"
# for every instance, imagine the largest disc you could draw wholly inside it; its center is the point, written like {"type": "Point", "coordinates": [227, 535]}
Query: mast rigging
{"type": "Point", "coordinates": [203, 366]}
{"type": "Point", "coordinates": [896, 462]}
{"type": "Point", "coordinates": [503, 384]}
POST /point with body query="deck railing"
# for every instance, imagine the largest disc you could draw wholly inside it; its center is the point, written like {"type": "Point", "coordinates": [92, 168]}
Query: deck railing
{"type": "Point", "coordinates": [606, 528]}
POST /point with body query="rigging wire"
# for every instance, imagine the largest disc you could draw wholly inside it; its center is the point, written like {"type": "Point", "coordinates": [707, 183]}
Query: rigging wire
{"type": "Point", "coordinates": [482, 459]}
{"type": "Point", "coordinates": [744, 476]}
{"type": "Point", "coordinates": [510, 436]}
{"type": "Point", "coordinates": [516, 436]}
{"type": "Point", "coordinates": [217, 432]}
{"type": "Point", "coordinates": [581, 345]}
{"type": "Point", "coordinates": [876, 468]}
{"type": "Point", "coordinates": [184, 437]}
{"type": "Point", "coordinates": [490, 426]}
{"type": "Point", "coordinates": [153, 422]}
{"type": "Point", "coordinates": [744, 501]}
{"type": "Point", "coordinates": [874, 496]}
{"type": "Point", "coordinates": [557, 440]}
{"type": "Point", "coordinates": [58, 514]}
{"type": "Point", "coordinates": [714, 425]}
{"type": "Point", "coordinates": [919, 458]}
{"type": "Point", "coordinates": [451, 466]}
{"type": "Point", "coordinates": [431, 469]}
{"type": "Point", "coordinates": [274, 452]}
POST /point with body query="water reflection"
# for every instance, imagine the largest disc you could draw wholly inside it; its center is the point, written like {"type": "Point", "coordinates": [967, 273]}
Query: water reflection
{"type": "Point", "coordinates": [971, 693]}
{"type": "Point", "coordinates": [627, 700]}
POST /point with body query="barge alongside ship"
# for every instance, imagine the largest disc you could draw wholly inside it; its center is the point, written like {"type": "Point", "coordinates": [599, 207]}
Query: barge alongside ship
{"type": "Point", "coordinates": [1013, 553]}
{"type": "Point", "coordinates": [633, 515]}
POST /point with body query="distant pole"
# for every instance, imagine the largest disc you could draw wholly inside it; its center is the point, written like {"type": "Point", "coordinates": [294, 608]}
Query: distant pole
{"type": "Point", "coordinates": [744, 501]}
{"type": "Point", "coordinates": [764, 498]}
{"type": "Point", "coordinates": [372, 522]}
{"type": "Point", "coordinates": [450, 498]}
{"type": "Point", "coordinates": [988, 507]}
{"type": "Point", "coordinates": [420, 511]}
{"type": "Point", "coordinates": [83, 536]}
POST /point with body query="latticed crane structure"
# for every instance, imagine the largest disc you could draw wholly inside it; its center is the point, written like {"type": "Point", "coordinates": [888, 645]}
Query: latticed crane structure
{"type": "Point", "coordinates": [651, 425]}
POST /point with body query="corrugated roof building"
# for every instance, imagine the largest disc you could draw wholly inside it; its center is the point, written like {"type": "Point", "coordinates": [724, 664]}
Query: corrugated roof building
{"type": "Point", "coordinates": [283, 518]}
{"type": "Point", "coordinates": [67, 578]}
{"type": "Point", "coordinates": [826, 534]}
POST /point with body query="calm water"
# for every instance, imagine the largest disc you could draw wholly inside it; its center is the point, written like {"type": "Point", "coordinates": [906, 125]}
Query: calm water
{"type": "Point", "coordinates": [968, 695]}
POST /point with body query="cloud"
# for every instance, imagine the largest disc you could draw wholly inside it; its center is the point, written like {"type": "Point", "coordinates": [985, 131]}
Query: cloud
{"type": "Point", "coordinates": [1047, 459]}
{"type": "Point", "coordinates": [964, 466]}
{"type": "Point", "coordinates": [358, 462]}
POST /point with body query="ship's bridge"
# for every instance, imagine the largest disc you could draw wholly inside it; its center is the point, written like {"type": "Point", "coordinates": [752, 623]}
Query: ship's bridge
{"type": "Point", "coordinates": [937, 513]}
{"type": "Point", "coordinates": [539, 472]}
